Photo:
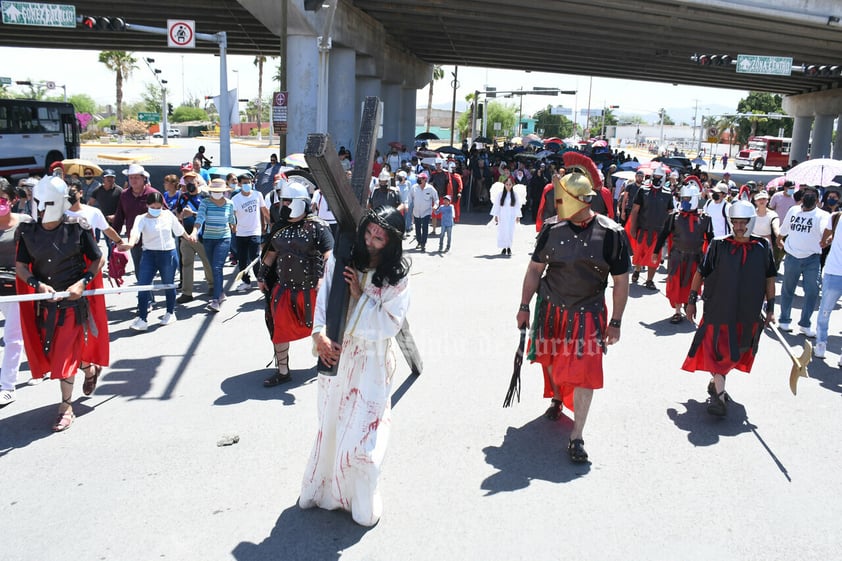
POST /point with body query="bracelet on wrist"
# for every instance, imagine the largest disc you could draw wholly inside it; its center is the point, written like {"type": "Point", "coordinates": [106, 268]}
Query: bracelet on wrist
{"type": "Point", "coordinates": [87, 278]}
{"type": "Point", "coordinates": [693, 298]}
{"type": "Point", "coordinates": [33, 282]}
{"type": "Point", "coordinates": [523, 308]}
{"type": "Point", "coordinates": [615, 323]}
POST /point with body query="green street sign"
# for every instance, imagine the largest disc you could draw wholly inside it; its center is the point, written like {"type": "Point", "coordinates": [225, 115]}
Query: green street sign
{"type": "Point", "coordinates": [44, 15]}
{"type": "Point", "coordinates": [4, 81]}
{"type": "Point", "coordinates": [772, 65]}
{"type": "Point", "coordinates": [148, 117]}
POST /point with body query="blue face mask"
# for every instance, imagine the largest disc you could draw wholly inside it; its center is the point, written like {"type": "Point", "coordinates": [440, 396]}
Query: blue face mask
{"type": "Point", "coordinates": [790, 192]}
{"type": "Point", "coordinates": [246, 188]}
{"type": "Point", "coordinates": [686, 206]}
{"type": "Point", "coordinates": [154, 212]}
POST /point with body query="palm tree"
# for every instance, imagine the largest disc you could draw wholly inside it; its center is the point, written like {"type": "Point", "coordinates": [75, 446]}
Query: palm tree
{"type": "Point", "coordinates": [122, 63]}
{"type": "Point", "coordinates": [438, 74]}
{"type": "Point", "coordinates": [258, 62]}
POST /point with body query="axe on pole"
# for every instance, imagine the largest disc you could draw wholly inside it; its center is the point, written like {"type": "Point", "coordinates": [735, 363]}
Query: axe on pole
{"type": "Point", "coordinates": [799, 363]}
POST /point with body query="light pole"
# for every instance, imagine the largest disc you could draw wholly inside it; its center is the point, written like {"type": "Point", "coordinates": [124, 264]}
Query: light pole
{"type": "Point", "coordinates": [164, 108]}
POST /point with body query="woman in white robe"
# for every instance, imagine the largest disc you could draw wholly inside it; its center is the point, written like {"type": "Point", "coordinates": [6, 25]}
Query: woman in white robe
{"type": "Point", "coordinates": [506, 203]}
{"type": "Point", "coordinates": [355, 405]}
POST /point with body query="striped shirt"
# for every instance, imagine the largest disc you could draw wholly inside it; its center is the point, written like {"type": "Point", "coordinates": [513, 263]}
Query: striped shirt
{"type": "Point", "coordinates": [217, 220]}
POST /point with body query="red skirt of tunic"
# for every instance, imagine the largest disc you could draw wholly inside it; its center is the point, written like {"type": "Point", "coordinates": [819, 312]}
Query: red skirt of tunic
{"type": "Point", "coordinates": [291, 324]}
{"type": "Point", "coordinates": [644, 254]}
{"type": "Point", "coordinates": [677, 291]}
{"type": "Point", "coordinates": [570, 368]}
{"type": "Point", "coordinates": [706, 359]}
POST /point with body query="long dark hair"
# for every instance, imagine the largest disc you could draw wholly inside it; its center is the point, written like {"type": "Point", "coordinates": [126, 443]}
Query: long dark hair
{"type": "Point", "coordinates": [393, 265]}
{"type": "Point", "coordinates": [505, 193]}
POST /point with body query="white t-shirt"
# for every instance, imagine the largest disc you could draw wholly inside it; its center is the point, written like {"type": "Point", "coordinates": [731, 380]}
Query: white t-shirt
{"type": "Point", "coordinates": [92, 215]}
{"type": "Point", "coordinates": [322, 209]}
{"type": "Point", "coordinates": [803, 231]}
{"type": "Point", "coordinates": [718, 212]}
{"type": "Point", "coordinates": [833, 263]}
{"type": "Point", "coordinates": [247, 209]}
{"type": "Point", "coordinates": [158, 233]}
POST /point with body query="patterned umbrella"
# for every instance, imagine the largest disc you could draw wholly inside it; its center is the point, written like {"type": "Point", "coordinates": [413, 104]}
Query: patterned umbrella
{"type": "Point", "coordinates": [819, 172]}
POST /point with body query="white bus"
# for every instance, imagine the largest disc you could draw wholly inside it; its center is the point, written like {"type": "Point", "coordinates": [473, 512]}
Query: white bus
{"type": "Point", "coordinates": [34, 134]}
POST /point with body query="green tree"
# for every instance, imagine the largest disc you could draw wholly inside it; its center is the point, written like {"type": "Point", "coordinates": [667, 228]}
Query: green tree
{"type": "Point", "coordinates": [184, 113]}
{"type": "Point", "coordinates": [122, 64]}
{"type": "Point", "coordinates": [152, 98]}
{"type": "Point", "coordinates": [667, 119]}
{"type": "Point", "coordinates": [552, 125]}
{"type": "Point", "coordinates": [83, 103]}
{"type": "Point", "coordinates": [596, 122]}
{"type": "Point", "coordinates": [496, 112]}
{"type": "Point", "coordinates": [761, 103]}
{"type": "Point", "coordinates": [438, 74]}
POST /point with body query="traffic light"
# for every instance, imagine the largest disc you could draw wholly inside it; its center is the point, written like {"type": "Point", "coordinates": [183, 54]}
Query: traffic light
{"type": "Point", "coordinates": [720, 60]}
{"type": "Point", "coordinates": [712, 60]}
{"type": "Point", "coordinates": [169, 109]}
{"type": "Point", "coordinates": [811, 70]}
{"type": "Point", "coordinates": [490, 92]}
{"type": "Point", "coordinates": [701, 60]}
{"type": "Point", "coordinates": [613, 107]}
{"type": "Point", "coordinates": [100, 23]}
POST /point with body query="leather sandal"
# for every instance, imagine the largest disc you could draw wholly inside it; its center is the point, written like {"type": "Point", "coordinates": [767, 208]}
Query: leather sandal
{"type": "Point", "coordinates": [717, 405]}
{"type": "Point", "coordinates": [553, 413]}
{"type": "Point", "coordinates": [650, 285]}
{"type": "Point", "coordinates": [635, 277]}
{"type": "Point", "coordinates": [276, 380]}
{"type": "Point", "coordinates": [64, 420]}
{"type": "Point", "coordinates": [676, 318]}
{"type": "Point", "coordinates": [89, 385]}
{"type": "Point", "coordinates": [712, 392]}
{"type": "Point", "coordinates": [576, 449]}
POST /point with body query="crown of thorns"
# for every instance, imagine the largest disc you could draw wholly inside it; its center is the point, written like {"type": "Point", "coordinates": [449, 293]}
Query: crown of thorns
{"type": "Point", "coordinates": [371, 216]}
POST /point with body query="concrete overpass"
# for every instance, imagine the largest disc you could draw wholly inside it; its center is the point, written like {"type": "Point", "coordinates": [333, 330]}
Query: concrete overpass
{"type": "Point", "coordinates": [387, 48]}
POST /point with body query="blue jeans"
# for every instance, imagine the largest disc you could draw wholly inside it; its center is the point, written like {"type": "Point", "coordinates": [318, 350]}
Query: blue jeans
{"type": "Point", "coordinates": [794, 268]}
{"type": "Point", "coordinates": [408, 218]}
{"type": "Point", "coordinates": [248, 248]}
{"type": "Point", "coordinates": [445, 231]}
{"type": "Point", "coordinates": [422, 226]}
{"type": "Point", "coordinates": [831, 292]}
{"type": "Point", "coordinates": [151, 262]}
{"type": "Point", "coordinates": [217, 251]}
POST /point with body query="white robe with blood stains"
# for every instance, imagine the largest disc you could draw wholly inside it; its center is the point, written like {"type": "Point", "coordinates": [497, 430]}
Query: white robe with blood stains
{"type": "Point", "coordinates": [355, 405]}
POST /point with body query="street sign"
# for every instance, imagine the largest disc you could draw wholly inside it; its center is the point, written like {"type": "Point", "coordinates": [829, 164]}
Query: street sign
{"type": "Point", "coordinates": [280, 111]}
{"type": "Point", "coordinates": [713, 131]}
{"type": "Point", "coordinates": [566, 111]}
{"type": "Point", "coordinates": [50, 85]}
{"type": "Point", "coordinates": [181, 33]}
{"type": "Point", "coordinates": [43, 15]}
{"type": "Point", "coordinates": [146, 117]}
{"type": "Point", "coordinates": [4, 81]}
{"type": "Point", "coordinates": [773, 65]}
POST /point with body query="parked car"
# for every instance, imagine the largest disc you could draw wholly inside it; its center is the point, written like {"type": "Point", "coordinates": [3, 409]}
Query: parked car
{"type": "Point", "coordinates": [171, 133]}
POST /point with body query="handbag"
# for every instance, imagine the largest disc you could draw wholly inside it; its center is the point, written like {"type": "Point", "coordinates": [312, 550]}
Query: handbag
{"type": "Point", "coordinates": [7, 283]}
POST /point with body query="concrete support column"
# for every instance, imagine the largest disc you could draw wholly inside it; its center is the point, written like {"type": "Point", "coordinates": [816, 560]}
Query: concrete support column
{"type": "Point", "coordinates": [342, 99]}
{"type": "Point", "coordinates": [302, 83]}
{"type": "Point", "coordinates": [366, 87]}
{"type": "Point", "coordinates": [407, 119]}
{"type": "Point", "coordinates": [800, 138]}
{"type": "Point", "coordinates": [391, 116]}
{"type": "Point", "coordinates": [837, 145]}
{"type": "Point", "coordinates": [822, 134]}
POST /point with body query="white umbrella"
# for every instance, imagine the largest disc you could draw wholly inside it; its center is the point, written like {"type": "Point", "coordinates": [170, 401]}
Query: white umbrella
{"type": "Point", "coordinates": [819, 172]}
{"type": "Point", "coordinates": [627, 175]}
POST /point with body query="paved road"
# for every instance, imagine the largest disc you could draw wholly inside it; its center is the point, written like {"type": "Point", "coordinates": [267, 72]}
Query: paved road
{"type": "Point", "coordinates": [140, 476]}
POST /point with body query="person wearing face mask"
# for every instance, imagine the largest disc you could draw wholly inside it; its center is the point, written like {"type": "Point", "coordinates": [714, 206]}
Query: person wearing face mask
{"type": "Point", "coordinates": [159, 228]}
{"type": "Point", "coordinates": [717, 209]}
{"type": "Point", "coordinates": [651, 207]}
{"type": "Point", "coordinates": [187, 209]}
{"type": "Point", "coordinates": [687, 231]}
{"type": "Point", "coordinates": [61, 335]}
{"type": "Point", "coordinates": [252, 215]}
{"type": "Point", "coordinates": [783, 200]}
{"type": "Point", "coordinates": [216, 220]}
{"type": "Point", "coordinates": [12, 336]}
{"type": "Point", "coordinates": [92, 216]}
{"type": "Point", "coordinates": [801, 234]}
{"type": "Point", "coordinates": [291, 270]}
{"type": "Point", "coordinates": [768, 223]}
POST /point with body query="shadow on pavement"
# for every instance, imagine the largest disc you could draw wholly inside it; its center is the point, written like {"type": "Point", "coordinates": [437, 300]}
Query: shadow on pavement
{"type": "Point", "coordinates": [130, 378]}
{"type": "Point", "coordinates": [249, 386]}
{"type": "Point", "coordinates": [537, 450]}
{"type": "Point", "coordinates": [305, 535]}
{"type": "Point", "coordinates": [21, 430]}
{"type": "Point", "coordinates": [704, 429]}
{"type": "Point", "coordinates": [663, 327]}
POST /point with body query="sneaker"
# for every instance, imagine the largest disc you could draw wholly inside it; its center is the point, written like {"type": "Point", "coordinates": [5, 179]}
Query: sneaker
{"type": "Point", "coordinates": [839, 364]}
{"type": "Point", "coordinates": [222, 298]}
{"type": "Point", "coordinates": [243, 286]}
{"type": "Point", "coordinates": [807, 331]}
{"type": "Point", "coordinates": [785, 326]}
{"type": "Point", "coordinates": [819, 350]}
{"type": "Point", "coordinates": [184, 298]}
{"type": "Point", "coordinates": [139, 325]}
{"type": "Point", "coordinates": [167, 319]}
{"type": "Point", "coordinates": [213, 306]}
{"type": "Point", "coordinates": [6, 397]}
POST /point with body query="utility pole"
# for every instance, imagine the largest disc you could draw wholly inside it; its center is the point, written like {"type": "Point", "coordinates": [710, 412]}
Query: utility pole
{"type": "Point", "coordinates": [455, 85]}
{"type": "Point", "coordinates": [282, 138]}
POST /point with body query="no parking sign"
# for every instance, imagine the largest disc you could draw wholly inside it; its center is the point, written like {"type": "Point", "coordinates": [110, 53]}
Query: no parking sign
{"type": "Point", "coordinates": [181, 33]}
